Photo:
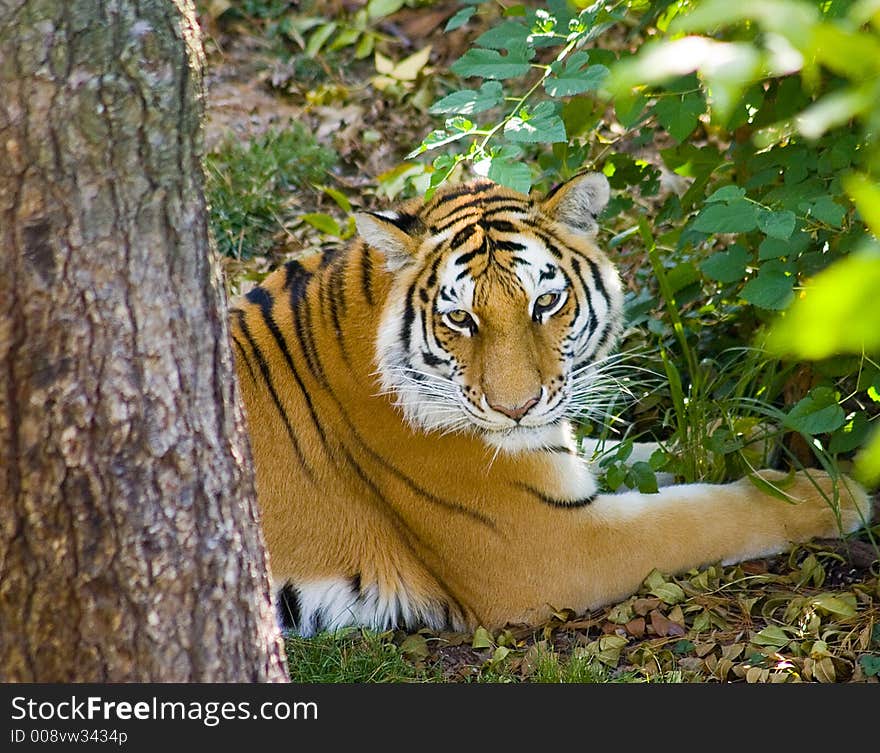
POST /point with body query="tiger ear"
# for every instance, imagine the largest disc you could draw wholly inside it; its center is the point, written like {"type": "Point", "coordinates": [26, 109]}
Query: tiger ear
{"type": "Point", "coordinates": [385, 232]}
{"type": "Point", "coordinates": [578, 202]}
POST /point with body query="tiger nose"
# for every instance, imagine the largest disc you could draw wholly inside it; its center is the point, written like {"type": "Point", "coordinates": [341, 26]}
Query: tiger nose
{"type": "Point", "coordinates": [518, 412]}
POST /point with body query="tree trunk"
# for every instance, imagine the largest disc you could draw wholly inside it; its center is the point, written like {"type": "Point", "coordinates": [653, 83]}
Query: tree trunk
{"type": "Point", "coordinates": [130, 547]}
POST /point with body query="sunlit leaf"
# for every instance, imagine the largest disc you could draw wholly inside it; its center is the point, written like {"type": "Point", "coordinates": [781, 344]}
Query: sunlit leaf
{"type": "Point", "coordinates": [323, 222]}
{"type": "Point", "coordinates": [542, 125]}
{"type": "Point", "coordinates": [836, 312]}
{"type": "Point", "coordinates": [791, 18]}
{"type": "Point", "coordinates": [482, 638]}
{"type": "Point", "coordinates": [867, 463]}
{"type": "Point", "coordinates": [831, 111]}
{"type": "Point", "coordinates": [728, 67]}
{"type": "Point", "coordinates": [318, 38]}
{"type": "Point", "coordinates": [668, 593]}
{"type": "Point", "coordinates": [381, 8]}
{"type": "Point", "coordinates": [409, 68]}
{"type": "Point", "coordinates": [866, 194]}
{"type": "Point", "coordinates": [470, 102]}
{"type": "Point", "coordinates": [839, 605]}
{"type": "Point", "coordinates": [771, 636]}
{"type": "Point", "coordinates": [851, 435]}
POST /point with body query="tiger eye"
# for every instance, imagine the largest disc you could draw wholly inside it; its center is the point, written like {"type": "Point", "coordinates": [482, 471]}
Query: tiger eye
{"type": "Point", "coordinates": [547, 300]}
{"type": "Point", "coordinates": [459, 316]}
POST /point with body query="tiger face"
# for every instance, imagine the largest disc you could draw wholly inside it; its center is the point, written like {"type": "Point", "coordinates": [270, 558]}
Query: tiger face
{"type": "Point", "coordinates": [499, 307]}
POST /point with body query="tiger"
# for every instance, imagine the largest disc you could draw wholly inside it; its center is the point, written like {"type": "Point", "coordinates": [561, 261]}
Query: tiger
{"type": "Point", "coordinates": [410, 403]}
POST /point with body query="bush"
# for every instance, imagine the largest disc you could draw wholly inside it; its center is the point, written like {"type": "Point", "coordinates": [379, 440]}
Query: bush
{"type": "Point", "coordinates": [744, 130]}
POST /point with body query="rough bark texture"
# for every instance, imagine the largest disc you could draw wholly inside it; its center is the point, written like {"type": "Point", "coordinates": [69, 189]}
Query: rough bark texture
{"type": "Point", "coordinates": [129, 540]}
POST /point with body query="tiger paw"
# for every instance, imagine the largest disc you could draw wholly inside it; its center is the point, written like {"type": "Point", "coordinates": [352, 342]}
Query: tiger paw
{"type": "Point", "coordinates": [815, 496]}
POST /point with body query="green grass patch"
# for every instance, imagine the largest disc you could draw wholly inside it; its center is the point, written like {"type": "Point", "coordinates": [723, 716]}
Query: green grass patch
{"type": "Point", "coordinates": [350, 656]}
{"type": "Point", "coordinates": [249, 186]}
{"type": "Point", "coordinates": [361, 656]}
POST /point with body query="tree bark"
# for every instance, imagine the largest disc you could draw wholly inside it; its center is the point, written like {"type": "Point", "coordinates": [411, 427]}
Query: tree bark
{"type": "Point", "coordinates": [130, 547]}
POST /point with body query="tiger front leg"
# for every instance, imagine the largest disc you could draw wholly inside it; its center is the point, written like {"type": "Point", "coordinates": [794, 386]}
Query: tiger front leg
{"type": "Point", "coordinates": [683, 527]}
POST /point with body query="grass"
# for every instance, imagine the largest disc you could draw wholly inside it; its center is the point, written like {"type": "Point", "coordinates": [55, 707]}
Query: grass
{"type": "Point", "coordinates": [249, 186]}
{"type": "Point", "coordinates": [361, 656]}
{"type": "Point", "coordinates": [350, 656]}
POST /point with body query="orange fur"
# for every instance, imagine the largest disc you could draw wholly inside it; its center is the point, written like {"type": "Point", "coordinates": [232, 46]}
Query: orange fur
{"type": "Point", "coordinates": [361, 503]}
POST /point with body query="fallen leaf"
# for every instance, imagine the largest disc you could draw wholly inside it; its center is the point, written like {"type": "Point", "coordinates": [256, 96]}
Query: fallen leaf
{"type": "Point", "coordinates": [415, 647]}
{"type": "Point", "coordinates": [642, 606]}
{"type": "Point", "coordinates": [482, 638]}
{"type": "Point", "coordinates": [824, 671]}
{"type": "Point", "coordinates": [669, 593]}
{"type": "Point", "coordinates": [842, 605]}
{"type": "Point", "coordinates": [636, 627]}
{"type": "Point", "coordinates": [663, 626]}
{"type": "Point", "coordinates": [771, 636]}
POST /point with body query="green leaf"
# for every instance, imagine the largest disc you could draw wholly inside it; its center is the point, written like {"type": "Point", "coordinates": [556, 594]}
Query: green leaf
{"type": "Point", "coordinates": [870, 664]}
{"type": "Point", "coordinates": [776, 224]}
{"type": "Point", "coordinates": [574, 79]}
{"type": "Point", "coordinates": [323, 222]}
{"type": "Point", "coordinates": [542, 125]}
{"type": "Point", "coordinates": [776, 487]}
{"type": "Point", "coordinates": [738, 216]}
{"type": "Point", "coordinates": [317, 39]}
{"type": "Point", "coordinates": [837, 311]}
{"type": "Point", "coordinates": [491, 64]}
{"type": "Point", "coordinates": [507, 172]}
{"type": "Point", "coordinates": [482, 638]}
{"type": "Point", "coordinates": [615, 476]}
{"type": "Point", "coordinates": [833, 110]}
{"type": "Point", "coordinates": [771, 289]}
{"type": "Point", "coordinates": [460, 18]}
{"type": "Point", "coordinates": [630, 109]}
{"type": "Point", "coordinates": [726, 193]}
{"type": "Point", "coordinates": [817, 413]}
{"type": "Point", "coordinates": [726, 266]}
{"type": "Point", "coordinates": [773, 248]}
{"type": "Point", "coordinates": [771, 636]}
{"type": "Point", "coordinates": [851, 435]}
{"type": "Point", "coordinates": [826, 210]}
{"type": "Point", "coordinates": [469, 101]}
{"type": "Point", "coordinates": [380, 8]}
{"type": "Point", "coordinates": [668, 593]}
{"type": "Point", "coordinates": [680, 114]}
{"type": "Point", "coordinates": [839, 605]}
{"type": "Point", "coordinates": [866, 467]}
{"type": "Point", "coordinates": [682, 275]}
{"type": "Point", "coordinates": [683, 647]}
{"type": "Point", "coordinates": [340, 198]}
{"type": "Point", "coordinates": [503, 36]}
{"type": "Point", "coordinates": [415, 647]}
{"type": "Point", "coordinates": [646, 481]}
{"type": "Point", "coordinates": [866, 194]}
